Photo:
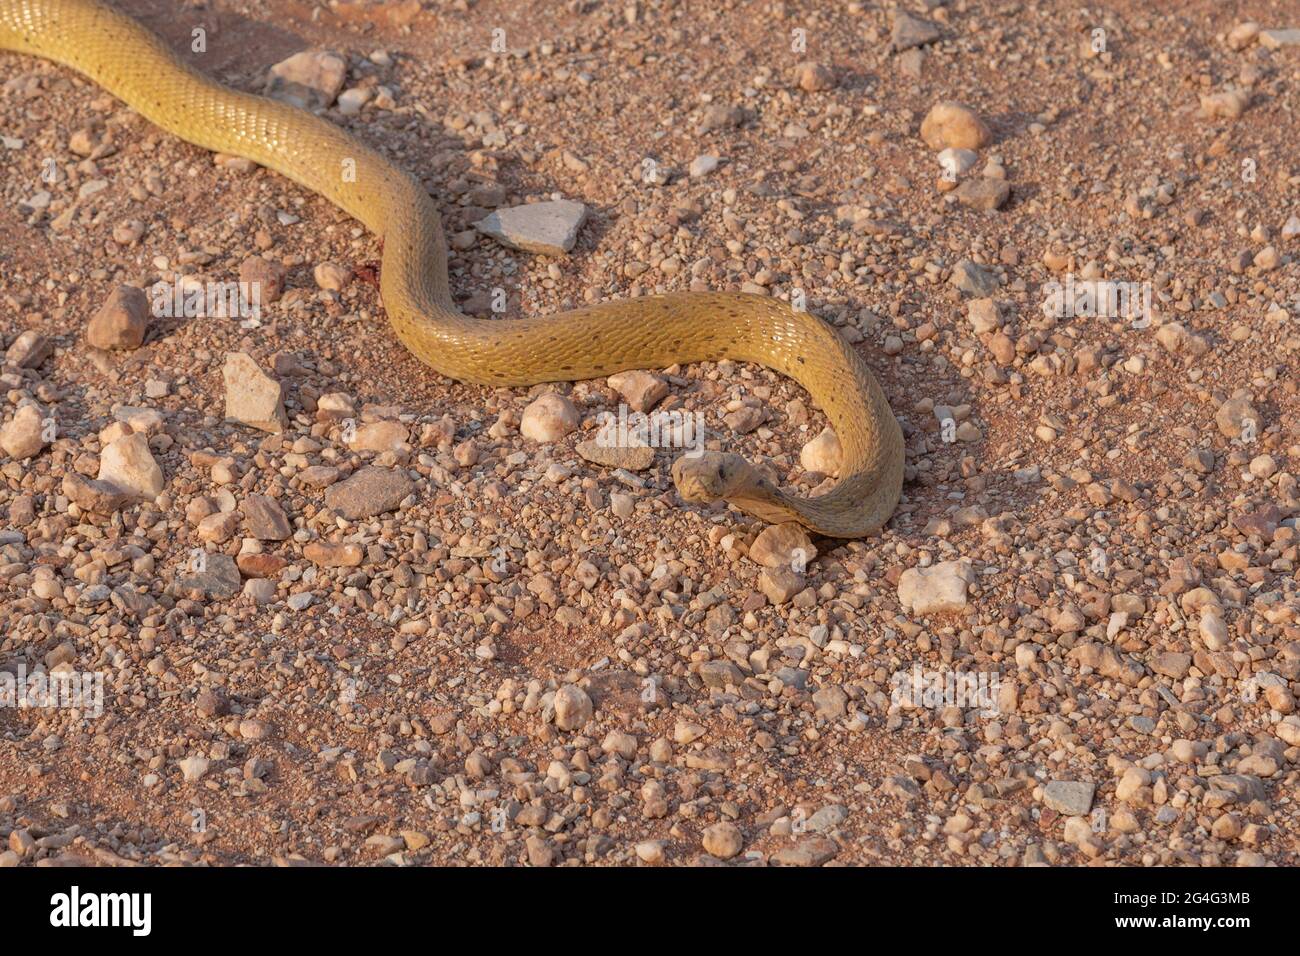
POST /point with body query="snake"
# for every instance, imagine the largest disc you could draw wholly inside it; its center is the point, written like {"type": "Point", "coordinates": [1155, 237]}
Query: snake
{"type": "Point", "coordinates": [641, 332]}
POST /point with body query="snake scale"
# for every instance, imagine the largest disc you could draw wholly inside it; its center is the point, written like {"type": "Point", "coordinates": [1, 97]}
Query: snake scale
{"type": "Point", "coordinates": [138, 68]}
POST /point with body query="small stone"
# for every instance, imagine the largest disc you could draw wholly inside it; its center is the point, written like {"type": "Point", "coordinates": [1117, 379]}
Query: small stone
{"type": "Point", "coordinates": [1069, 797]}
{"type": "Point", "coordinates": [98, 497]}
{"type": "Point", "coordinates": [702, 166]}
{"type": "Point", "coordinates": [958, 161]}
{"type": "Point", "coordinates": [1276, 39]}
{"type": "Point", "coordinates": [263, 279]}
{"type": "Point", "coordinates": [573, 708]}
{"type": "Point", "coordinates": [983, 193]}
{"type": "Point", "coordinates": [780, 584]}
{"type": "Point", "coordinates": [909, 31]}
{"type": "Point", "coordinates": [1243, 35]}
{"type": "Point", "coordinates": [308, 80]}
{"type": "Point", "coordinates": [813, 77]}
{"type": "Point", "coordinates": [811, 852]}
{"type": "Point", "coordinates": [950, 124]}
{"type": "Point", "coordinates": [630, 457]}
{"type": "Point", "coordinates": [264, 519]}
{"type": "Point", "coordinates": [252, 397]}
{"type": "Point", "coordinates": [723, 840]}
{"type": "Point", "coordinates": [371, 491]}
{"type": "Point", "coordinates": [548, 418]}
{"type": "Point", "coordinates": [973, 279]}
{"type": "Point", "coordinates": [823, 454]}
{"type": "Point", "coordinates": [193, 768]}
{"type": "Point", "coordinates": [217, 577]}
{"type": "Point", "coordinates": [830, 703]}
{"type": "Point", "coordinates": [128, 465]}
{"type": "Point", "coordinates": [641, 390]}
{"type": "Point", "coordinates": [24, 435]}
{"type": "Point", "coordinates": [1230, 104]}
{"type": "Point", "coordinates": [29, 350]}
{"type": "Point", "coordinates": [938, 589]}
{"type": "Point", "coordinates": [331, 276]}
{"type": "Point", "coordinates": [330, 554]}
{"type": "Point", "coordinates": [1234, 415]}
{"type": "Point", "coordinates": [121, 322]}
{"type": "Point", "coordinates": [783, 546]}
{"type": "Point", "coordinates": [650, 851]}
{"type": "Point", "coordinates": [380, 437]}
{"type": "Point", "coordinates": [545, 228]}
{"type": "Point", "coordinates": [720, 116]}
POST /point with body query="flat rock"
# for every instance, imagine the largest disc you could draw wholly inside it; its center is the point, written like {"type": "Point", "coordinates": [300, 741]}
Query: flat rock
{"type": "Point", "coordinates": [973, 279]}
{"type": "Point", "coordinates": [264, 519]}
{"type": "Point", "coordinates": [310, 80]}
{"type": "Point", "coordinates": [811, 852]}
{"type": "Point", "coordinates": [631, 457]}
{"type": "Point", "coordinates": [983, 192]}
{"type": "Point", "coordinates": [218, 578]}
{"type": "Point", "coordinates": [29, 350]}
{"type": "Point", "coordinates": [1073, 798]}
{"type": "Point", "coordinates": [127, 464]}
{"type": "Point", "coordinates": [938, 589]}
{"type": "Point", "coordinates": [121, 322]}
{"type": "Point", "coordinates": [371, 491]}
{"type": "Point", "coordinates": [909, 31]}
{"type": "Point", "coordinates": [546, 228]}
{"type": "Point", "coordinates": [252, 397]}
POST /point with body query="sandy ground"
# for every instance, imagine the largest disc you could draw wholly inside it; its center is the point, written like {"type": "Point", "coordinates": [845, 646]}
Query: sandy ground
{"type": "Point", "coordinates": [1097, 528]}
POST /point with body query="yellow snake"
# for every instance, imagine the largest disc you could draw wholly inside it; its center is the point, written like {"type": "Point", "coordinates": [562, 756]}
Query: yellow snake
{"type": "Point", "coordinates": [651, 332]}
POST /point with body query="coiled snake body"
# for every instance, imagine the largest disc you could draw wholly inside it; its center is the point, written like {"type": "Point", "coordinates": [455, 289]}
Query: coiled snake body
{"type": "Point", "coordinates": [652, 332]}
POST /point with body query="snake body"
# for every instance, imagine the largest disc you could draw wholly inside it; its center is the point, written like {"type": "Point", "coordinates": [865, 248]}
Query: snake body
{"type": "Point", "coordinates": [138, 68]}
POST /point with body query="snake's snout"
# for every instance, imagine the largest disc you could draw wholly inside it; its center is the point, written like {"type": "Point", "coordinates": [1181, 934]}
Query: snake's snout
{"type": "Point", "coordinates": [708, 476]}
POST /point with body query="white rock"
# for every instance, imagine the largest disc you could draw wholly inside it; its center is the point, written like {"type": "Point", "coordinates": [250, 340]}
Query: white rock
{"type": "Point", "coordinates": [702, 166]}
{"type": "Point", "coordinates": [546, 228]}
{"type": "Point", "coordinates": [253, 397]}
{"type": "Point", "coordinates": [193, 768]}
{"type": "Point", "coordinates": [24, 435]}
{"type": "Point", "coordinates": [309, 80]}
{"type": "Point", "coordinates": [936, 589]}
{"type": "Point", "coordinates": [823, 454]}
{"type": "Point", "coordinates": [548, 418]}
{"type": "Point", "coordinates": [128, 465]}
{"type": "Point", "coordinates": [573, 708]}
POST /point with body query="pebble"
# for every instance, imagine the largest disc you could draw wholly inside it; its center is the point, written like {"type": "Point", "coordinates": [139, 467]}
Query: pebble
{"type": "Point", "coordinates": [1069, 797]}
{"type": "Point", "coordinates": [252, 397]}
{"type": "Point", "coordinates": [723, 840]}
{"type": "Point", "coordinates": [573, 707]}
{"type": "Point", "coordinates": [983, 193]}
{"type": "Point", "coordinates": [951, 125]}
{"type": "Point", "coordinates": [544, 228]}
{"type": "Point", "coordinates": [909, 31]}
{"type": "Point", "coordinates": [371, 491]}
{"type": "Point", "coordinates": [823, 454]}
{"type": "Point", "coordinates": [122, 321]}
{"type": "Point", "coordinates": [24, 435]}
{"type": "Point", "coordinates": [938, 589]}
{"type": "Point", "coordinates": [973, 279]}
{"type": "Point", "coordinates": [309, 80]}
{"type": "Point", "coordinates": [548, 418]}
{"type": "Point", "coordinates": [783, 546]}
{"type": "Point", "coordinates": [128, 465]}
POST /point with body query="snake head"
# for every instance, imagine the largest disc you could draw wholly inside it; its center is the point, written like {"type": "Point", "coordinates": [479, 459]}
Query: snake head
{"type": "Point", "coordinates": [710, 475]}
